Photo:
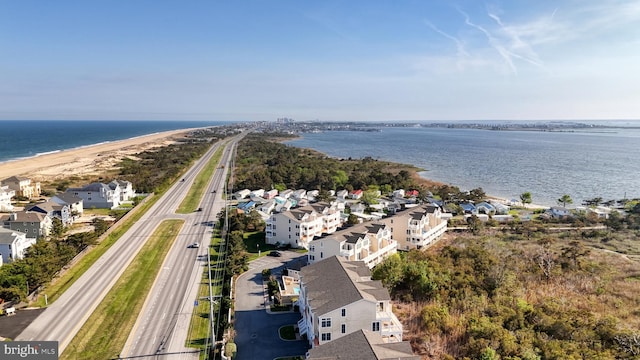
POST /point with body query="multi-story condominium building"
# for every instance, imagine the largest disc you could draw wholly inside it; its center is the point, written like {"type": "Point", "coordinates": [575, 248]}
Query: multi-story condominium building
{"type": "Point", "coordinates": [362, 345]}
{"type": "Point", "coordinates": [298, 227]}
{"type": "Point", "coordinates": [416, 227]}
{"type": "Point", "coordinates": [96, 195]}
{"type": "Point", "coordinates": [23, 186]}
{"type": "Point", "coordinates": [6, 195]}
{"type": "Point", "coordinates": [13, 244]}
{"type": "Point", "coordinates": [33, 224]}
{"type": "Point", "coordinates": [367, 242]}
{"type": "Point", "coordinates": [338, 297]}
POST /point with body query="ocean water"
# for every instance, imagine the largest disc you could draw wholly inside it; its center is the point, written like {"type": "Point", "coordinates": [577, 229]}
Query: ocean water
{"type": "Point", "coordinates": [583, 164]}
{"type": "Point", "coordinates": [24, 139]}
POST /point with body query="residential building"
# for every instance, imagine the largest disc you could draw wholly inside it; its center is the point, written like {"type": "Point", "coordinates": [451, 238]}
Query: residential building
{"type": "Point", "coordinates": [13, 245]}
{"type": "Point", "coordinates": [241, 194]}
{"type": "Point", "coordinates": [257, 193]}
{"type": "Point", "coordinates": [356, 194]}
{"type": "Point", "coordinates": [33, 224]}
{"type": "Point", "coordinates": [367, 242]}
{"type": "Point", "coordinates": [485, 208]}
{"type": "Point", "coordinates": [270, 194]}
{"type": "Point", "coordinates": [53, 210]}
{"type": "Point", "coordinates": [416, 227]}
{"type": "Point", "coordinates": [342, 194]}
{"type": "Point", "coordinates": [23, 186]}
{"type": "Point", "coordinates": [338, 297]}
{"type": "Point", "coordinates": [362, 345]}
{"type": "Point", "coordinates": [96, 195]}
{"type": "Point", "coordinates": [297, 227]}
{"type": "Point", "coordinates": [124, 189]}
{"type": "Point", "coordinates": [558, 212]}
{"type": "Point", "coordinates": [6, 194]}
{"type": "Point", "coordinates": [75, 203]}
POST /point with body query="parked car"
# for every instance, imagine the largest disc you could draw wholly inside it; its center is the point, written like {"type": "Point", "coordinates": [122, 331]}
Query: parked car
{"type": "Point", "coordinates": [275, 253]}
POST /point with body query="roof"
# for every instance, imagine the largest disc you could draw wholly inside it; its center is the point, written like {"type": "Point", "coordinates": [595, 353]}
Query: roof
{"type": "Point", "coordinates": [16, 179]}
{"type": "Point", "coordinates": [334, 283]}
{"type": "Point", "coordinates": [68, 198]}
{"type": "Point", "coordinates": [8, 236]}
{"type": "Point", "coordinates": [96, 186]}
{"type": "Point", "coordinates": [362, 345]}
{"type": "Point", "coordinates": [47, 206]}
{"type": "Point", "coordinates": [25, 216]}
{"type": "Point", "coordinates": [353, 233]}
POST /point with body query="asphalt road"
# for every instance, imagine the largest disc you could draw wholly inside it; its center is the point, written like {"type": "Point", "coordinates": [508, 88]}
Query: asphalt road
{"type": "Point", "coordinates": [256, 330]}
{"type": "Point", "coordinates": [64, 318]}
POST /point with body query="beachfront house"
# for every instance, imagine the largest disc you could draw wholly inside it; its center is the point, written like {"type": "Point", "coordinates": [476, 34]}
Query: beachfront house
{"type": "Point", "coordinates": [485, 208]}
{"type": "Point", "coordinates": [96, 195]}
{"type": "Point", "coordinates": [416, 227]}
{"type": "Point", "coordinates": [53, 210]}
{"type": "Point", "coordinates": [23, 186]}
{"type": "Point", "coordinates": [558, 212]}
{"type": "Point", "coordinates": [33, 224]}
{"type": "Point", "coordinates": [13, 244]}
{"type": "Point", "coordinates": [6, 194]}
{"type": "Point", "coordinates": [123, 189]}
{"type": "Point", "coordinates": [362, 345]}
{"type": "Point", "coordinates": [367, 242]}
{"type": "Point", "coordinates": [75, 203]}
{"type": "Point", "coordinates": [338, 297]}
{"type": "Point", "coordinates": [297, 227]}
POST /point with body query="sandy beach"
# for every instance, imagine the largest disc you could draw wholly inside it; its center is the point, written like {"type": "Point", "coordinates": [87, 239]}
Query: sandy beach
{"type": "Point", "coordinates": [87, 160]}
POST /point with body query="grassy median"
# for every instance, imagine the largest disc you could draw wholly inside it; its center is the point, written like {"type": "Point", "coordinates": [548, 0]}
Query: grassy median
{"type": "Point", "coordinates": [104, 334]}
{"type": "Point", "coordinates": [199, 331]}
{"type": "Point", "coordinates": [196, 191]}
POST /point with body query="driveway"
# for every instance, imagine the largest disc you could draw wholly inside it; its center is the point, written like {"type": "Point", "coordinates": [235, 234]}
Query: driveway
{"type": "Point", "coordinates": [256, 330]}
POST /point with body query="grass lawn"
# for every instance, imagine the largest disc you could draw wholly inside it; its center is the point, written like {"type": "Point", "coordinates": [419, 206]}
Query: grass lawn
{"type": "Point", "coordinates": [287, 332]}
{"type": "Point", "coordinates": [104, 334]}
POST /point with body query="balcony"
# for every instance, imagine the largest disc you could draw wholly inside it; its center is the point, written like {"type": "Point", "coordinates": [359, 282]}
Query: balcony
{"type": "Point", "coordinates": [375, 258]}
{"type": "Point", "coordinates": [390, 327]}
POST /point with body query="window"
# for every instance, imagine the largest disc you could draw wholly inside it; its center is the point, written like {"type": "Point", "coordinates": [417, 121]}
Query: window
{"type": "Point", "coordinates": [375, 326]}
{"type": "Point", "coordinates": [326, 336]}
{"type": "Point", "coordinates": [325, 322]}
{"type": "Point", "coordinates": [312, 258]}
{"type": "Point", "coordinates": [321, 255]}
{"type": "Point", "coordinates": [344, 312]}
{"type": "Point", "coordinates": [343, 328]}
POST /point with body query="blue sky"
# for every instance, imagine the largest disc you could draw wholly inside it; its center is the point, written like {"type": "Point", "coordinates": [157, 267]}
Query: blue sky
{"type": "Point", "coordinates": [328, 60]}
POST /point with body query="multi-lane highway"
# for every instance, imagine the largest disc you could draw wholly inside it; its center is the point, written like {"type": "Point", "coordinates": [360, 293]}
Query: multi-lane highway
{"type": "Point", "coordinates": [163, 319]}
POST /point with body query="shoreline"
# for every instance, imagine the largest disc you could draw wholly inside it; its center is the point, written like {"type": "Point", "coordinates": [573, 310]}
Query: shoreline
{"type": "Point", "coordinates": [88, 159]}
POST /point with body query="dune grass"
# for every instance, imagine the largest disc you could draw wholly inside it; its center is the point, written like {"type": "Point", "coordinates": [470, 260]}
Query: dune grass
{"type": "Point", "coordinates": [106, 331]}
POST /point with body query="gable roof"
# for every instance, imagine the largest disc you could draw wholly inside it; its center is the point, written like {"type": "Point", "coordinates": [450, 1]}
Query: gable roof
{"type": "Point", "coordinates": [96, 186]}
{"type": "Point", "coordinates": [68, 198]}
{"type": "Point", "coordinates": [16, 179]}
{"type": "Point", "coordinates": [334, 283]}
{"type": "Point", "coordinates": [8, 236]}
{"type": "Point", "coordinates": [362, 345]}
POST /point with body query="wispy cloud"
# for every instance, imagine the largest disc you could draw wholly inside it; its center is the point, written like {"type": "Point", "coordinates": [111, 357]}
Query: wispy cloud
{"type": "Point", "coordinates": [462, 53]}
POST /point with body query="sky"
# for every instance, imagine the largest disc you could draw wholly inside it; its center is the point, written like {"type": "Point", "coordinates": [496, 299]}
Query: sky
{"type": "Point", "coordinates": [331, 60]}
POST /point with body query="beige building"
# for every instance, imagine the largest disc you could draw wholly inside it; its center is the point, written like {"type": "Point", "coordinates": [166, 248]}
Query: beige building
{"type": "Point", "coordinates": [338, 297]}
{"type": "Point", "coordinates": [23, 186]}
{"type": "Point", "coordinates": [417, 227]}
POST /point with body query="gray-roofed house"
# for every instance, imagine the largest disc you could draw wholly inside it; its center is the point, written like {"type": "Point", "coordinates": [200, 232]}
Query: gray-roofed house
{"type": "Point", "coordinates": [13, 244]}
{"type": "Point", "coordinates": [96, 195]}
{"type": "Point", "coordinates": [338, 297]}
{"type": "Point", "coordinates": [53, 210]}
{"type": "Point", "coordinates": [75, 203]}
{"type": "Point", "coordinates": [370, 242]}
{"type": "Point", "coordinates": [362, 345]}
{"type": "Point", "coordinates": [33, 224]}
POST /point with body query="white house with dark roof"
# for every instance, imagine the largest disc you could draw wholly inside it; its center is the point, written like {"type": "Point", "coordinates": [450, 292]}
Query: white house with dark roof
{"type": "Point", "coordinates": [33, 224]}
{"type": "Point", "coordinates": [368, 242]}
{"type": "Point", "coordinates": [338, 297]}
{"type": "Point", "coordinates": [6, 194]}
{"type": "Point", "coordinates": [13, 244]}
{"type": "Point", "coordinates": [362, 345]}
{"type": "Point", "coordinates": [23, 186]}
{"type": "Point", "coordinates": [297, 227]}
{"type": "Point", "coordinates": [96, 195]}
{"type": "Point", "coordinates": [75, 203]}
{"type": "Point", "coordinates": [416, 227]}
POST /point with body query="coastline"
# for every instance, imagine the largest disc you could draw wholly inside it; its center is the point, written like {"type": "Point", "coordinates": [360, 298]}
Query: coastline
{"type": "Point", "coordinates": [90, 159]}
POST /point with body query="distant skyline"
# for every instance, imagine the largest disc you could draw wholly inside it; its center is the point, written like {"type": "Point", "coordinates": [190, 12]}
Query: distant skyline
{"type": "Point", "coordinates": [437, 60]}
